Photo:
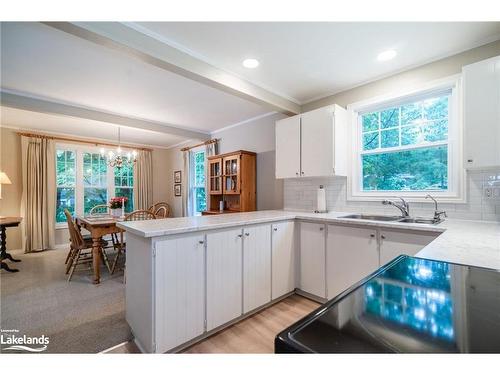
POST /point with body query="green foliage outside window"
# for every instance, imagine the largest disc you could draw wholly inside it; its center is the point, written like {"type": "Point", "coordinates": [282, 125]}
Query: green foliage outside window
{"type": "Point", "coordinates": [124, 183]}
{"type": "Point", "coordinates": [65, 182]}
{"type": "Point", "coordinates": [405, 147]}
{"type": "Point", "coordinates": [199, 182]}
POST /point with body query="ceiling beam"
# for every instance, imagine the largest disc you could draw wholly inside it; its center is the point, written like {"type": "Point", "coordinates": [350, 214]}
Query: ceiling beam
{"type": "Point", "coordinates": [29, 103]}
{"type": "Point", "coordinates": [152, 51]}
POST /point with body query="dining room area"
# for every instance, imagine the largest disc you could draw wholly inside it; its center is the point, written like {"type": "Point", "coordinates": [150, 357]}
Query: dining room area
{"type": "Point", "coordinates": [63, 255]}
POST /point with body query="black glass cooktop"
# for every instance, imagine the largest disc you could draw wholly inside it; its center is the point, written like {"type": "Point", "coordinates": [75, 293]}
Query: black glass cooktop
{"type": "Point", "coordinates": [412, 305]}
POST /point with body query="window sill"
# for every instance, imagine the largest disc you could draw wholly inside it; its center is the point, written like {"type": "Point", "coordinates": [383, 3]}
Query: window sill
{"type": "Point", "coordinates": [417, 197]}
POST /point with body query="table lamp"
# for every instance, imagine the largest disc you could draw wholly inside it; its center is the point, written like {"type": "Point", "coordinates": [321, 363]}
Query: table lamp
{"type": "Point", "coordinates": [4, 180]}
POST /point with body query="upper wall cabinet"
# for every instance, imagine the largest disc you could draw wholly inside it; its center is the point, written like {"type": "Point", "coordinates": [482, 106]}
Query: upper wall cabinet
{"type": "Point", "coordinates": [482, 114]}
{"type": "Point", "coordinates": [312, 144]}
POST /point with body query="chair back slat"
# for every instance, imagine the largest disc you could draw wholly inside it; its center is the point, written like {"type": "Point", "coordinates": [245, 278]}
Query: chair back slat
{"type": "Point", "coordinates": [75, 235]}
{"type": "Point", "coordinates": [140, 215]}
{"type": "Point", "coordinates": [160, 213]}
{"type": "Point", "coordinates": [100, 209]}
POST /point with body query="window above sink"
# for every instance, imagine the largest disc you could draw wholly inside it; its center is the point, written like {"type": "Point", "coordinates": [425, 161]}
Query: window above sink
{"type": "Point", "coordinates": [408, 145]}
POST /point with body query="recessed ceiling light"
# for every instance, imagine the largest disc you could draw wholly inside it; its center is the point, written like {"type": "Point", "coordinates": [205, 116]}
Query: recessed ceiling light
{"type": "Point", "coordinates": [387, 55]}
{"type": "Point", "coordinates": [250, 63]}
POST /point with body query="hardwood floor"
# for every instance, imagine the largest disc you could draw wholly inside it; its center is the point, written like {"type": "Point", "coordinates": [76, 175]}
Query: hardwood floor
{"type": "Point", "coordinates": [252, 335]}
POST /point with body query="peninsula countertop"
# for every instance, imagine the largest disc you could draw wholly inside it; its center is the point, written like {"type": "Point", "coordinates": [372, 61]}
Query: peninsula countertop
{"type": "Point", "coordinates": [460, 241]}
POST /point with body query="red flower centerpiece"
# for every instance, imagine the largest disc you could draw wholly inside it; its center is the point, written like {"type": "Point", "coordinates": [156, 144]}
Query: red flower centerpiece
{"type": "Point", "coordinates": [117, 206]}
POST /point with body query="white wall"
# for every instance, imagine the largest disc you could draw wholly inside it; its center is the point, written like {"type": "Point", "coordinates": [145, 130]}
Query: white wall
{"type": "Point", "coordinates": [258, 136]}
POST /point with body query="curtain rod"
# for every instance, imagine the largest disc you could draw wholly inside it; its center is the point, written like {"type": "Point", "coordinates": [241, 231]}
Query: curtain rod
{"type": "Point", "coordinates": [200, 144]}
{"type": "Point", "coordinates": [95, 143]}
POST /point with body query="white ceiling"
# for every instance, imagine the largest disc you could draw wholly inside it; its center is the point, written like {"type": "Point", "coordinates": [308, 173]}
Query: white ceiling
{"type": "Point", "coordinates": [45, 62]}
{"type": "Point", "coordinates": [71, 126]}
{"type": "Point", "coordinates": [305, 61]}
{"type": "Point", "coordinates": [299, 61]}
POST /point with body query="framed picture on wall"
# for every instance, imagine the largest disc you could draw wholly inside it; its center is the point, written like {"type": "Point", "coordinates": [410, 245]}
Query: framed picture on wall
{"type": "Point", "coordinates": [177, 190]}
{"type": "Point", "coordinates": [177, 177]}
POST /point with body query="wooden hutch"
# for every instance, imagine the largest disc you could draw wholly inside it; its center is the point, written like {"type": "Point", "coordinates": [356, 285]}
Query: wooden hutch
{"type": "Point", "coordinates": [231, 179]}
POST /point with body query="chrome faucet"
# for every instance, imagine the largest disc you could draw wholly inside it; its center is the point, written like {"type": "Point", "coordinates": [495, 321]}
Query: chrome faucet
{"type": "Point", "coordinates": [437, 213]}
{"type": "Point", "coordinates": [404, 207]}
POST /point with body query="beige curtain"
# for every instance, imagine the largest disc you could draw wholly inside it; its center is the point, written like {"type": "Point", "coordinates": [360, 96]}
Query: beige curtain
{"type": "Point", "coordinates": [39, 193]}
{"type": "Point", "coordinates": [143, 181]}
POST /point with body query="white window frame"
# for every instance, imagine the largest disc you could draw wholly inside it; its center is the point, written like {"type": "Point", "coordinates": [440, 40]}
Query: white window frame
{"type": "Point", "coordinates": [192, 178]}
{"type": "Point", "coordinates": [456, 172]}
{"type": "Point", "coordinates": [79, 150]}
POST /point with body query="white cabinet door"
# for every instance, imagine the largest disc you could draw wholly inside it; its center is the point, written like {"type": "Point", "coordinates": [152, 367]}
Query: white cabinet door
{"type": "Point", "coordinates": [288, 147]}
{"type": "Point", "coordinates": [482, 113]}
{"type": "Point", "coordinates": [317, 143]}
{"type": "Point", "coordinates": [394, 243]}
{"type": "Point", "coordinates": [283, 258]}
{"type": "Point", "coordinates": [312, 259]}
{"type": "Point", "coordinates": [352, 254]}
{"type": "Point", "coordinates": [224, 277]}
{"type": "Point", "coordinates": [256, 266]}
{"type": "Point", "coordinates": [180, 290]}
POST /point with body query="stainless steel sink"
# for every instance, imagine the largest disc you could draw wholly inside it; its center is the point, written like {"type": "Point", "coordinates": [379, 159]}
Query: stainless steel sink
{"type": "Point", "coordinates": [399, 219]}
{"type": "Point", "coordinates": [372, 217]}
{"type": "Point", "coordinates": [419, 220]}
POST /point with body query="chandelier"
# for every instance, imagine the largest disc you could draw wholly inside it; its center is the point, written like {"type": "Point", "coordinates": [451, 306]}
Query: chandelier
{"type": "Point", "coordinates": [118, 159]}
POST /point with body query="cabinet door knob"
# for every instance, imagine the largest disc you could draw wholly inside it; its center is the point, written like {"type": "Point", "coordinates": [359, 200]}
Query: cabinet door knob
{"type": "Point", "coordinates": [275, 229]}
{"type": "Point", "coordinates": [382, 236]}
{"type": "Point", "coordinates": [372, 235]}
{"type": "Point", "coordinates": [240, 235]}
{"type": "Point", "coordinates": [296, 173]}
{"type": "Point", "coordinates": [201, 242]}
{"type": "Point", "coordinates": [321, 228]}
{"type": "Point", "coordinates": [247, 234]}
{"type": "Point", "coordinates": [302, 173]}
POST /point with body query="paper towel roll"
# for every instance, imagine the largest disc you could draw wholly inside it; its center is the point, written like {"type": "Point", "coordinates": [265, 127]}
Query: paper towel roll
{"type": "Point", "coordinates": [321, 199]}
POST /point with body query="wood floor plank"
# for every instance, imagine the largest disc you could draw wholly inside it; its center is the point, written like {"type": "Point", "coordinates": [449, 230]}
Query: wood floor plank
{"type": "Point", "coordinates": [255, 334]}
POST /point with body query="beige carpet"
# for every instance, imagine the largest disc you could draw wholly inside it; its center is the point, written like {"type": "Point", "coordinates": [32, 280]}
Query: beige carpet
{"type": "Point", "coordinates": [78, 317]}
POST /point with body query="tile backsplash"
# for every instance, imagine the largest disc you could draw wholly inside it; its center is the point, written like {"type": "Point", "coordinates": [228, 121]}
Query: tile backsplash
{"type": "Point", "coordinates": [483, 198]}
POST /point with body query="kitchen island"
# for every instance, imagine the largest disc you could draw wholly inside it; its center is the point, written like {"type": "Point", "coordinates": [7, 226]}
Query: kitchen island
{"type": "Point", "coordinates": [188, 278]}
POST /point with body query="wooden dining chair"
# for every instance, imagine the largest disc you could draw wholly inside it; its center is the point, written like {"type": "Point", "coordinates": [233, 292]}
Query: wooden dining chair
{"type": "Point", "coordinates": [133, 216]}
{"type": "Point", "coordinates": [103, 209]}
{"type": "Point", "coordinates": [160, 209]}
{"type": "Point", "coordinates": [81, 247]}
{"type": "Point", "coordinates": [140, 215]}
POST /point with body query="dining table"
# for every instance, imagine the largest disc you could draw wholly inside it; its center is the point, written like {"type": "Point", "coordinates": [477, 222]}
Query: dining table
{"type": "Point", "coordinates": [99, 226]}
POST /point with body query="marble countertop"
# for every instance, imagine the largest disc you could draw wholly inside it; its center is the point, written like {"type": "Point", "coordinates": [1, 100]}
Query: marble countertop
{"type": "Point", "coordinates": [460, 241]}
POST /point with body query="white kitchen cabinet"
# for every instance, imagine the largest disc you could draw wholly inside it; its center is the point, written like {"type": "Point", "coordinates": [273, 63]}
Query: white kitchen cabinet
{"type": "Point", "coordinates": [482, 113]}
{"type": "Point", "coordinates": [180, 291]}
{"type": "Point", "coordinates": [283, 258]}
{"type": "Point", "coordinates": [394, 243]}
{"type": "Point", "coordinates": [288, 147]}
{"type": "Point", "coordinates": [323, 142]}
{"type": "Point", "coordinates": [312, 144]}
{"type": "Point", "coordinates": [256, 266]}
{"type": "Point", "coordinates": [224, 276]}
{"type": "Point", "coordinates": [351, 255]}
{"type": "Point", "coordinates": [312, 259]}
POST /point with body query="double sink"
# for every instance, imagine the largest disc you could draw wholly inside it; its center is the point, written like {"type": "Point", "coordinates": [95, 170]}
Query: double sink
{"type": "Point", "coordinates": [399, 219]}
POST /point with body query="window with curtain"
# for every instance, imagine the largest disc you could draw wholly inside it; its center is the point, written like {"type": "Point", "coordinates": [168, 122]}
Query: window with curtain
{"type": "Point", "coordinates": [84, 180]}
{"type": "Point", "coordinates": [65, 183]}
{"type": "Point", "coordinates": [198, 182]}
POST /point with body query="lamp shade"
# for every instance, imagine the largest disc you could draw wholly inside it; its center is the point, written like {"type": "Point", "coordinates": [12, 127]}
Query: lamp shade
{"type": "Point", "coordinates": [4, 179]}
